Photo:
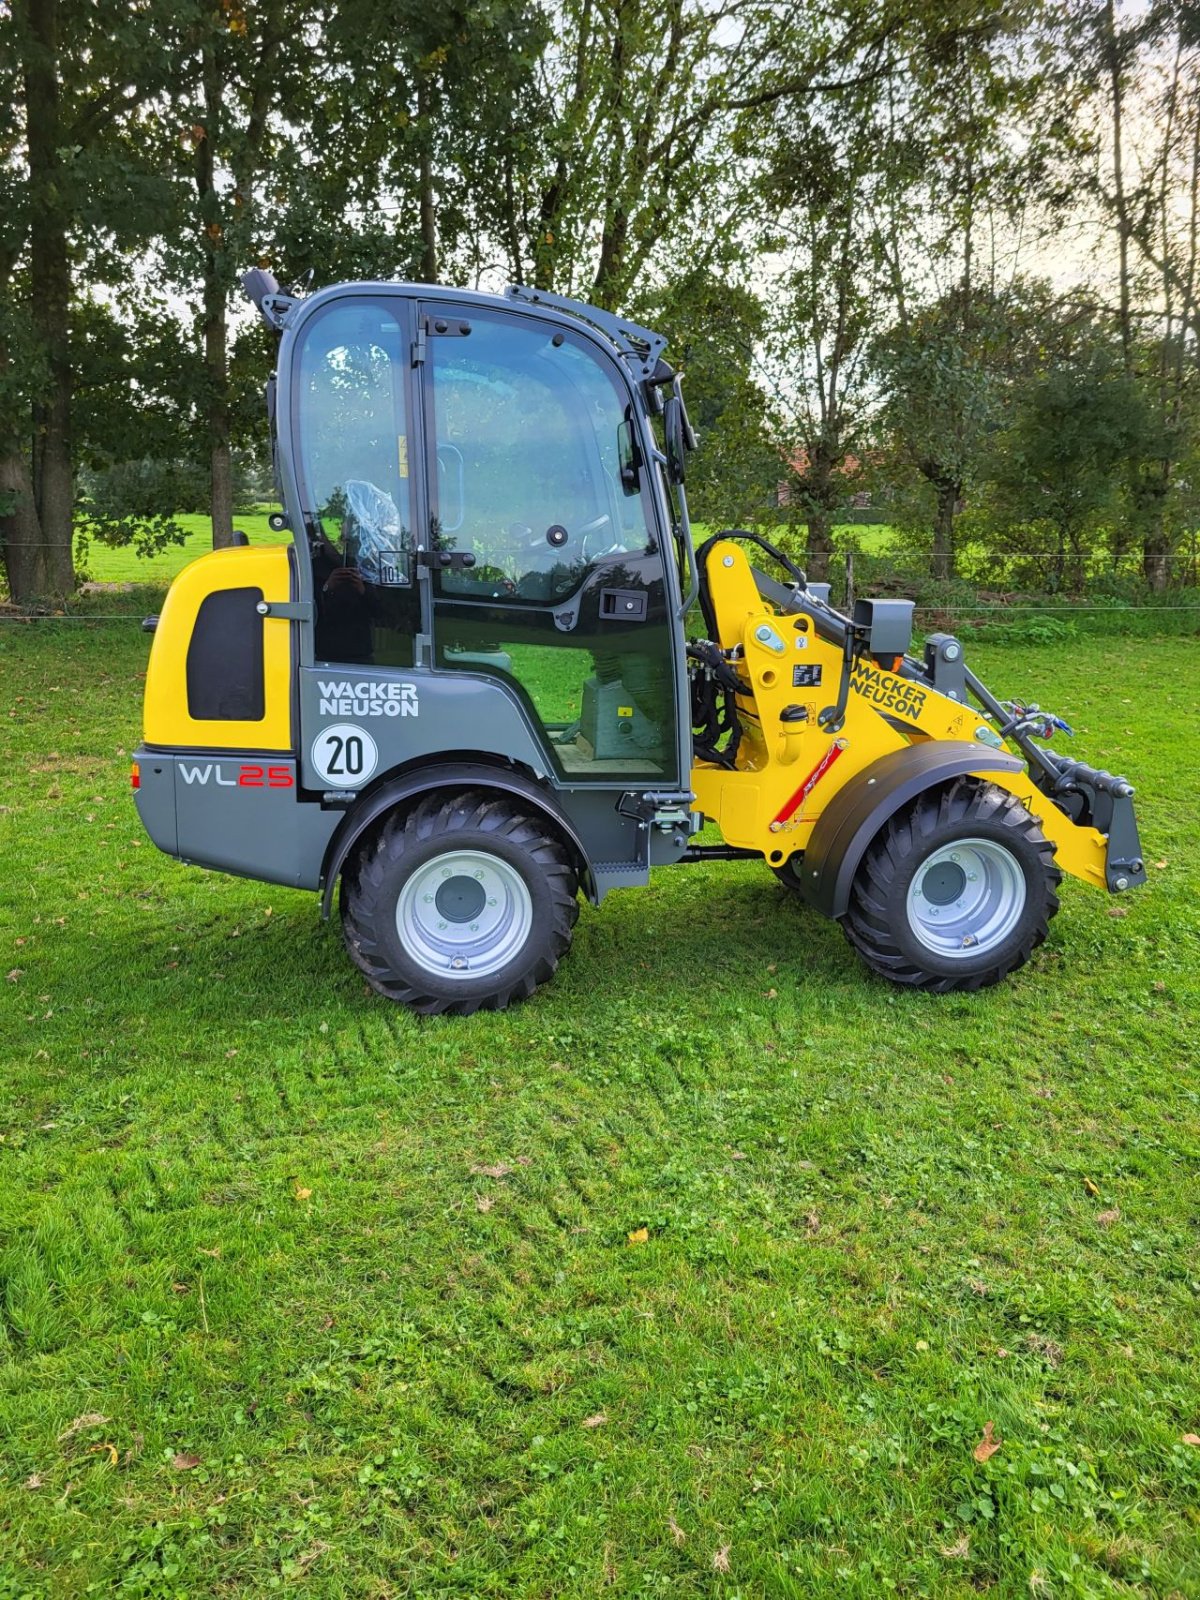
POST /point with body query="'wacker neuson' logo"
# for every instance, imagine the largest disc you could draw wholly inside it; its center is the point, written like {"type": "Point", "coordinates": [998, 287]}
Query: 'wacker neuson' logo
{"type": "Point", "coordinates": [344, 699]}
{"type": "Point", "coordinates": [888, 692]}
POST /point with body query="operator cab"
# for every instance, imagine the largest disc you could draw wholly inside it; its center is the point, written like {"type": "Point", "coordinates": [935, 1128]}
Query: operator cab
{"type": "Point", "coordinates": [469, 479]}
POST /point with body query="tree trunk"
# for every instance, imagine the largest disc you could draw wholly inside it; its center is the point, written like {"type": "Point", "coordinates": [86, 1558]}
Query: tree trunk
{"type": "Point", "coordinates": [1150, 502]}
{"type": "Point", "coordinates": [943, 531]}
{"type": "Point", "coordinates": [21, 532]}
{"type": "Point", "coordinates": [216, 371]}
{"type": "Point", "coordinates": [607, 285]}
{"type": "Point", "coordinates": [429, 251]}
{"type": "Point", "coordinates": [819, 548]}
{"type": "Point", "coordinates": [1111, 46]}
{"type": "Point", "coordinates": [215, 324]}
{"type": "Point", "coordinates": [1156, 560]}
{"type": "Point", "coordinates": [50, 301]}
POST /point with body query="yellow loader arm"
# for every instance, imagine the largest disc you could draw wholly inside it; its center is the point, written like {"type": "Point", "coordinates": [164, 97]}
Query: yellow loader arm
{"type": "Point", "coordinates": [834, 735]}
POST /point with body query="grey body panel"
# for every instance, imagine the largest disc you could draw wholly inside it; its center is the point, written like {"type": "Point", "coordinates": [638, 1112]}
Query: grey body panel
{"type": "Point", "coordinates": [843, 832]}
{"type": "Point", "coordinates": [256, 830]}
{"type": "Point", "coordinates": [414, 714]}
{"type": "Point", "coordinates": [155, 798]}
{"type": "Point", "coordinates": [235, 814]}
{"type": "Point", "coordinates": [450, 729]}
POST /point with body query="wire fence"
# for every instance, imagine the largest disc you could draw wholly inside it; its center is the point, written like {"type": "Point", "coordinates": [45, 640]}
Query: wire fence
{"type": "Point", "coordinates": [852, 573]}
{"type": "Point", "coordinates": [25, 619]}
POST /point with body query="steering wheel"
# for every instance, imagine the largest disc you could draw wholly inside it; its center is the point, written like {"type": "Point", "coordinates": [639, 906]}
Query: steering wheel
{"type": "Point", "coordinates": [594, 526]}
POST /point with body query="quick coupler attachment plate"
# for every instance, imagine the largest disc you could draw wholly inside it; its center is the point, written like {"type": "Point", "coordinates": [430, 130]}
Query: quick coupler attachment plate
{"type": "Point", "coordinates": [1108, 808]}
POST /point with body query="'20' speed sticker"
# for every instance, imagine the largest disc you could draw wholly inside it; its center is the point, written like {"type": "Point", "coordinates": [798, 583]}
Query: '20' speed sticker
{"type": "Point", "coordinates": [344, 756]}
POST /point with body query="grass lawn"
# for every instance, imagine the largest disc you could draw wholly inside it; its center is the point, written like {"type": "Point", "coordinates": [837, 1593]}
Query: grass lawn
{"type": "Point", "coordinates": [104, 564]}
{"type": "Point", "coordinates": [706, 1272]}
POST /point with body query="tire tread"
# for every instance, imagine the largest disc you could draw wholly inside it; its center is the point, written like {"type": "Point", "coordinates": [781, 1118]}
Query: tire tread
{"type": "Point", "coordinates": [364, 900]}
{"type": "Point", "coordinates": [869, 925]}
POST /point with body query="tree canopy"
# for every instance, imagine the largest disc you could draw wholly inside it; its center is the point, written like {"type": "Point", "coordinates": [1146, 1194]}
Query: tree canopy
{"type": "Point", "coordinates": [950, 249]}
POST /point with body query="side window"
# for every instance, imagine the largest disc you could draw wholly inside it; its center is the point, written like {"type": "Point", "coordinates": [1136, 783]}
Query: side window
{"type": "Point", "coordinates": [527, 471]}
{"type": "Point", "coordinates": [354, 442]}
{"type": "Point", "coordinates": [225, 677]}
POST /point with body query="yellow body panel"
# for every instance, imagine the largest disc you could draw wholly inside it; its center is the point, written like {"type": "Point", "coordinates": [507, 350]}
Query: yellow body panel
{"type": "Point", "coordinates": [786, 773]}
{"type": "Point", "coordinates": [166, 719]}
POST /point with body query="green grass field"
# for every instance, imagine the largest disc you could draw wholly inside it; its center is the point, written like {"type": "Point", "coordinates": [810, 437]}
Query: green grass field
{"type": "Point", "coordinates": [124, 565]}
{"type": "Point", "coordinates": [705, 1273]}
{"type": "Point", "coordinates": [105, 564]}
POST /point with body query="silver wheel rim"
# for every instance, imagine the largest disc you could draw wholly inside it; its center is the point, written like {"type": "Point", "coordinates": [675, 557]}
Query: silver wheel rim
{"type": "Point", "coordinates": [966, 898]}
{"type": "Point", "coordinates": [464, 914]}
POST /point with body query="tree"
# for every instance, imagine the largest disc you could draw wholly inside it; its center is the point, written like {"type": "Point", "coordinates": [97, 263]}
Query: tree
{"type": "Point", "coordinates": [968, 146]}
{"type": "Point", "coordinates": [237, 94]}
{"type": "Point", "coordinates": [823, 183]}
{"type": "Point", "coordinates": [72, 78]}
{"type": "Point", "coordinates": [1138, 154]}
{"type": "Point", "coordinates": [1057, 466]}
{"type": "Point", "coordinates": [943, 401]}
{"type": "Point", "coordinates": [715, 328]}
{"type": "Point", "coordinates": [425, 115]}
{"type": "Point", "coordinates": [646, 103]}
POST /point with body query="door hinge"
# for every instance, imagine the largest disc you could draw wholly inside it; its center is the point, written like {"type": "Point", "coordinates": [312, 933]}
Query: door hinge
{"type": "Point", "coordinates": [437, 328]}
{"type": "Point", "coordinates": [443, 560]}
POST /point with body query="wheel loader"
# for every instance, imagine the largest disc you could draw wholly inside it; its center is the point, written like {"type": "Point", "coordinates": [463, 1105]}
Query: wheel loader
{"type": "Point", "coordinates": [461, 690]}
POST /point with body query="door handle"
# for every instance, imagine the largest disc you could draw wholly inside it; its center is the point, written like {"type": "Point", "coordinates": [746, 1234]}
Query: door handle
{"type": "Point", "coordinates": [623, 605]}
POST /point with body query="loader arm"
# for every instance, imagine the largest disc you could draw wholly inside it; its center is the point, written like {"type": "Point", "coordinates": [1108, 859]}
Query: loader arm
{"type": "Point", "coordinates": [833, 737]}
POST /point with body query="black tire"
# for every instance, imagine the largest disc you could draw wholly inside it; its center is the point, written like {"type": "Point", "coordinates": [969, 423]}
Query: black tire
{"type": "Point", "coordinates": [444, 825]}
{"type": "Point", "coordinates": [886, 931]}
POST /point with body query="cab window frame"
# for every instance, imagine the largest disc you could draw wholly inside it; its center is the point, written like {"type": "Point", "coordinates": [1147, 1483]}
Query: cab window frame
{"type": "Point", "coordinates": [396, 308]}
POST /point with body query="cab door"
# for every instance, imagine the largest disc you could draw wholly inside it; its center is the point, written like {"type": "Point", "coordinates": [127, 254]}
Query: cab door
{"type": "Point", "coordinates": [554, 578]}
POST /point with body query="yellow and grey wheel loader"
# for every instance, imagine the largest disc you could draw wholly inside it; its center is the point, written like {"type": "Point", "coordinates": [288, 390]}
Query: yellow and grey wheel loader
{"type": "Point", "coordinates": [462, 691]}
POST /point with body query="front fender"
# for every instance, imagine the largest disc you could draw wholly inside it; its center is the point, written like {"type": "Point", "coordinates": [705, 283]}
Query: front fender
{"type": "Point", "coordinates": [444, 775]}
{"type": "Point", "coordinates": [857, 812]}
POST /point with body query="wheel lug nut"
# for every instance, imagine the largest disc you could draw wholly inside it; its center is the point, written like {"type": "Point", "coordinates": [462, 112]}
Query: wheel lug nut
{"type": "Point", "coordinates": [428, 899]}
{"type": "Point", "coordinates": [492, 901]}
{"type": "Point", "coordinates": [441, 924]}
{"type": "Point", "coordinates": [445, 872]}
{"type": "Point", "coordinates": [479, 873]}
{"type": "Point", "coordinates": [972, 876]}
{"type": "Point", "coordinates": [474, 927]}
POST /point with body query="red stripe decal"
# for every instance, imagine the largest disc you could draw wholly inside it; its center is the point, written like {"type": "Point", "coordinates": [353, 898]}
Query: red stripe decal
{"type": "Point", "coordinates": [810, 783]}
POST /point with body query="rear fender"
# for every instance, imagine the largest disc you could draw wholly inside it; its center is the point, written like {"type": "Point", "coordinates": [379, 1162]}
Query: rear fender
{"type": "Point", "coordinates": [855, 814]}
{"type": "Point", "coordinates": [409, 786]}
